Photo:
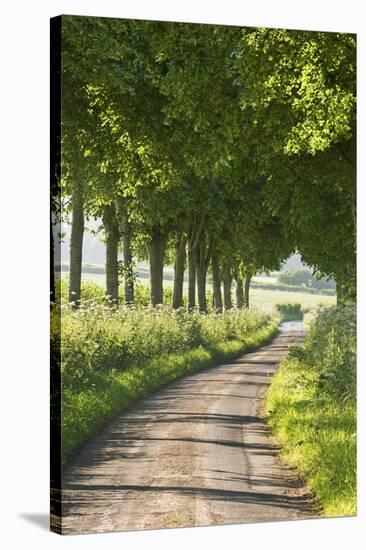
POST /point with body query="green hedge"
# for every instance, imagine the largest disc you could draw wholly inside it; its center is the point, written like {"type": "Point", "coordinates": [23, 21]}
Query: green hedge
{"type": "Point", "coordinates": [289, 311]}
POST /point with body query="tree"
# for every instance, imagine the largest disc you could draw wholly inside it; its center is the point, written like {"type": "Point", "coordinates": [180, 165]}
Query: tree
{"type": "Point", "coordinates": [297, 90]}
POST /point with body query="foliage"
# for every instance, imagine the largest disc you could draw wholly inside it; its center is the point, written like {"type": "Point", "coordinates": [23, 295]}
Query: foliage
{"type": "Point", "coordinates": [91, 292]}
{"type": "Point", "coordinates": [306, 278]}
{"type": "Point", "coordinates": [296, 277]}
{"type": "Point", "coordinates": [311, 407]}
{"type": "Point", "coordinates": [331, 346]}
{"type": "Point", "coordinates": [298, 95]}
{"type": "Point", "coordinates": [289, 310]}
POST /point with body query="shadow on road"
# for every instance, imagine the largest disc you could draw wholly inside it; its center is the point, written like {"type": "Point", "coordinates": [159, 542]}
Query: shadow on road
{"type": "Point", "coordinates": [122, 493]}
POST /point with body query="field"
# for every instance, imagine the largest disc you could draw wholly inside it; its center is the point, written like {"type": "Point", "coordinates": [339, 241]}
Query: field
{"type": "Point", "coordinates": [265, 299]}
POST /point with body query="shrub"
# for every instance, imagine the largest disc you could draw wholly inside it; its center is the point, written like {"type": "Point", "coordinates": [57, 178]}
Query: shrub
{"type": "Point", "coordinates": [296, 277]}
{"type": "Point", "coordinates": [289, 310]}
{"type": "Point", "coordinates": [91, 292]}
{"type": "Point", "coordinates": [304, 277]}
{"type": "Point", "coordinates": [142, 294]}
{"type": "Point", "coordinates": [331, 346]}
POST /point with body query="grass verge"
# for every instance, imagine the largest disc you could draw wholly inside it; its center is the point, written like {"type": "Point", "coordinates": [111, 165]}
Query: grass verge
{"type": "Point", "coordinates": [311, 410]}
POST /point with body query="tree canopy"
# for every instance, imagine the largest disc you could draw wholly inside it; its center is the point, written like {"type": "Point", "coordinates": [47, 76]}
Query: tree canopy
{"type": "Point", "coordinates": [224, 147]}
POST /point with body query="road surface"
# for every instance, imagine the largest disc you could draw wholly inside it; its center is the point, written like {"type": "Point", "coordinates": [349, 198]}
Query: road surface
{"type": "Point", "coordinates": [194, 453]}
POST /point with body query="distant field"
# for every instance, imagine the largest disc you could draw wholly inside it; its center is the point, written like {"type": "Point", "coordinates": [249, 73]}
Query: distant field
{"type": "Point", "coordinates": [143, 268]}
{"type": "Point", "coordinates": [267, 280]}
{"type": "Point", "coordinates": [265, 299]}
{"type": "Point", "coordinates": [99, 278]}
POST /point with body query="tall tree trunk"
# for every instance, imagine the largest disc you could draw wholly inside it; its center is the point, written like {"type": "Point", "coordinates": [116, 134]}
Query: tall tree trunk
{"type": "Point", "coordinates": [191, 280]}
{"type": "Point", "coordinates": [248, 278]}
{"type": "Point", "coordinates": [112, 240]}
{"type": "Point", "coordinates": [239, 291]}
{"type": "Point", "coordinates": [227, 280]}
{"type": "Point", "coordinates": [76, 245]}
{"type": "Point", "coordinates": [339, 296]}
{"type": "Point", "coordinates": [126, 234]}
{"type": "Point", "coordinates": [340, 289]}
{"type": "Point", "coordinates": [179, 267]}
{"type": "Point", "coordinates": [201, 278]}
{"type": "Point", "coordinates": [128, 275]}
{"type": "Point", "coordinates": [195, 233]}
{"type": "Point", "coordinates": [216, 283]}
{"type": "Point", "coordinates": [156, 250]}
{"type": "Point", "coordinates": [203, 257]}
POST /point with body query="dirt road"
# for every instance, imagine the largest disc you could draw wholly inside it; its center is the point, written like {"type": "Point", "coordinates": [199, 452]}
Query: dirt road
{"type": "Point", "coordinates": [194, 453]}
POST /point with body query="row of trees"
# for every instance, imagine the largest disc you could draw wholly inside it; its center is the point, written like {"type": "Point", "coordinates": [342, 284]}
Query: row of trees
{"type": "Point", "coordinates": [213, 148]}
{"type": "Point", "coordinates": [304, 277]}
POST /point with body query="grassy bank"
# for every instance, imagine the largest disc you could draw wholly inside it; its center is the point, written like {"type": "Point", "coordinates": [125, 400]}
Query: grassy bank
{"type": "Point", "coordinates": [111, 359]}
{"type": "Point", "coordinates": [311, 409]}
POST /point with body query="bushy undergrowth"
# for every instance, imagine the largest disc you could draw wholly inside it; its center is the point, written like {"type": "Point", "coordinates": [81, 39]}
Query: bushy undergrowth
{"type": "Point", "coordinates": [304, 277]}
{"type": "Point", "coordinates": [289, 311]}
{"type": "Point", "coordinates": [110, 357]}
{"type": "Point", "coordinates": [93, 292]}
{"type": "Point", "coordinates": [311, 407]}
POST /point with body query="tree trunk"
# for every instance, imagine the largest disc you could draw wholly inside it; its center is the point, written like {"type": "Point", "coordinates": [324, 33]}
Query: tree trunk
{"type": "Point", "coordinates": [201, 280]}
{"type": "Point", "coordinates": [191, 280]}
{"type": "Point", "coordinates": [227, 280]}
{"type": "Point", "coordinates": [156, 250]}
{"type": "Point", "coordinates": [248, 278]}
{"type": "Point", "coordinates": [128, 275]}
{"type": "Point", "coordinates": [179, 267]}
{"type": "Point", "coordinates": [340, 289]}
{"type": "Point", "coordinates": [76, 245]}
{"type": "Point", "coordinates": [112, 240]}
{"type": "Point", "coordinates": [239, 292]}
{"type": "Point", "coordinates": [339, 296]}
{"type": "Point", "coordinates": [203, 257]}
{"type": "Point", "coordinates": [216, 283]}
{"type": "Point", "coordinates": [126, 234]}
{"type": "Point", "coordinates": [195, 234]}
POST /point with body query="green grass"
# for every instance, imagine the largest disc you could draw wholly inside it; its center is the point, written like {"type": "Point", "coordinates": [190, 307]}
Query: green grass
{"type": "Point", "coordinates": [111, 359]}
{"type": "Point", "coordinates": [311, 410]}
{"type": "Point", "coordinates": [266, 299]}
